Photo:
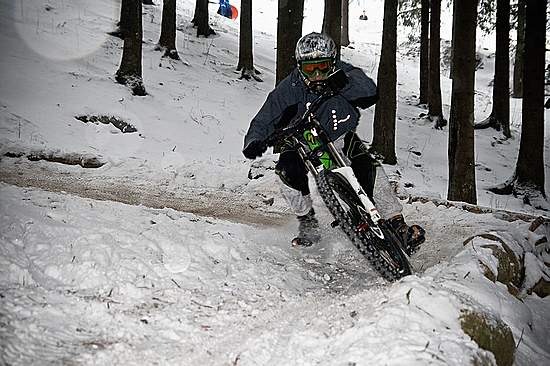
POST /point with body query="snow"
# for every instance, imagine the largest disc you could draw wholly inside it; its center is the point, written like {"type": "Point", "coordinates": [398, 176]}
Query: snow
{"type": "Point", "coordinates": [169, 254]}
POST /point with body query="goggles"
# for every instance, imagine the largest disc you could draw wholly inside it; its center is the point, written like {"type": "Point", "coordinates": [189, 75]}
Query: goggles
{"type": "Point", "coordinates": [323, 66]}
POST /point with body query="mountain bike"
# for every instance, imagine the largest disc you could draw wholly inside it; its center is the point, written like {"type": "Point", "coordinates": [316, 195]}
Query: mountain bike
{"type": "Point", "coordinates": [353, 211]}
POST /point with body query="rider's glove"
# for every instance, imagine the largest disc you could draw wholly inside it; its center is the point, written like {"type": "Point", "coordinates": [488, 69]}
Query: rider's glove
{"type": "Point", "coordinates": [254, 149]}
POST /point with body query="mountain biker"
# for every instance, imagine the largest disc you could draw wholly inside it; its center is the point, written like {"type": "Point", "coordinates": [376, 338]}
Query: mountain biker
{"type": "Point", "coordinates": [316, 57]}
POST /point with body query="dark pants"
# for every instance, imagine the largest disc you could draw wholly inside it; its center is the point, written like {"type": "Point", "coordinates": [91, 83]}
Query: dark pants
{"type": "Point", "coordinates": [293, 172]}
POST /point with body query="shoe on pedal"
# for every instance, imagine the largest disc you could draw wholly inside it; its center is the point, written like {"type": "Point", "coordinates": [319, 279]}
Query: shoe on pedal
{"type": "Point", "coordinates": [411, 236]}
{"type": "Point", "coordinates": [308, 230]}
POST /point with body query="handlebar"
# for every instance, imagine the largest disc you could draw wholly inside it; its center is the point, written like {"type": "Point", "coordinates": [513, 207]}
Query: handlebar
{"type": "Point", "coordinates": [299, 123]}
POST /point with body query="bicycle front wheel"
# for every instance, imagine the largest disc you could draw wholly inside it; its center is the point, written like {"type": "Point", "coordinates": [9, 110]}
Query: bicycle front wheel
{"type": "Point", "coordinates": [377, 243]}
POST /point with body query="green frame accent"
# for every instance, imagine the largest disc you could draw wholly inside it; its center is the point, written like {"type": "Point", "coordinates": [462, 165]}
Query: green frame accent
{"type": "Point", "coordinates": [313, 143]}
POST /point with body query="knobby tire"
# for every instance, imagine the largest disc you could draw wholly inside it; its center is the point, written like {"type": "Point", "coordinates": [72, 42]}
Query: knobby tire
{"type": "Point", "coordinates": [329, 186]}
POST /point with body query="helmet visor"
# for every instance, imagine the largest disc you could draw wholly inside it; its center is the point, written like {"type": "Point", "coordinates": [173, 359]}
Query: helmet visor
{"type": "Point", "coordinates": [322, 67]}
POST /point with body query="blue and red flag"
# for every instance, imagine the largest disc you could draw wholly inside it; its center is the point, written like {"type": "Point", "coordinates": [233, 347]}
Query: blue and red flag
{"type": "Point", "coordinates": [227, 10]}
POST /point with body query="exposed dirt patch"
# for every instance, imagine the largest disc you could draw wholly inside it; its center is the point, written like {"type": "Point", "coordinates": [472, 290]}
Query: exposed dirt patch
{"type": "Point", "coordinates": [122, 125]}
{"type": "Point", "coordinates": [223, 204]}
{"type": "Point", "coordinates": [85, 161]}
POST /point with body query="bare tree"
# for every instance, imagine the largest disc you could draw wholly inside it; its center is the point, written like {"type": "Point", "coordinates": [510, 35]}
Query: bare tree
{"type": "Point", "coordinates": [201, 19]}
{"type": "Point", "coordinates": [528, 180]}
{"type": "Point", "coordinates": [345, 23]}
{"type": "Point", "coordinates": [167, 41]}
{"type": "Point", "coordinates": [517, 89]}
{"type": "Point", "coordinates": [246, 57]}
{"type": "Point", "coordinates": [129, 72]}
{"type": "Point", "coordinates": [415, 14]}
{"type": "Point", "coordinates": [424, 51]}
{"type": "Point", "coordinates": [462, 174]}
{"type": "Point", "coordinates": [434, 90]}
{"type": "Point", "coordinates": [195, 13]}
{"type": "Point", "coordinates": [384, 116]}
{"type": "Point", "coordinates": [332, 22]}
{"type": "Point", "coordinates": [499, 118]}
{"type": "Point", "coordinates": [121, 27]}
{"type": "Point", "coordinates": [289, 30]}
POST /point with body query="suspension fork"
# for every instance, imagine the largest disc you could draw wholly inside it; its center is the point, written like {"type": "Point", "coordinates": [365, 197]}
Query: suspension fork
{"type": "Point", "coordinates": [342, 168]}
{"type": "Point", "coordinates": [347, 172]}
{"type": "Point", "coordinates": [336, 155]}
{"type": "Point", "coordinates": [303, 155]}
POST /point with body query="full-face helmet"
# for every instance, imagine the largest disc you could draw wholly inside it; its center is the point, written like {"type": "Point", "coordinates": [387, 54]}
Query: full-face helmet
{"type": "Point", "coordinates": [315, 54]}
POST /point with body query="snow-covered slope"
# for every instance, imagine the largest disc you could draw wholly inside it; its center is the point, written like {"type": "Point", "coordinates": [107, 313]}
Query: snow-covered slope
{"type": "Point", "coordinates": [86, 281]}
{"type": "Point", "coordinates": [90, 282]}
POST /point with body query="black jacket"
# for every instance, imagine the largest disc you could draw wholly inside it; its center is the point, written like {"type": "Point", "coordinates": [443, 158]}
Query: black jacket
{"type": "Point", "coordinates": [339, 114]}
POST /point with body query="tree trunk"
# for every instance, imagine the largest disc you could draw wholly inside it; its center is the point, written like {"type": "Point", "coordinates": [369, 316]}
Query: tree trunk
{"type": "Point", "coordinates": [195, 14]}
{"type": "Point", "coordinates": [520, 44]}
{"type": "Point", "coordinates": [462, 178]}
{"type": "Point", "coordinates": [167, 41]}
{"type": "Point", "coordinates": [453, 37]}
{"type": "Point", "coordinates": [289, 31]}
{"type": "Point", "coordinates": [345, 23]}
{"type": "Point", "coordinates": [129, 72]}
{"type": "Point", "coordinates": [202, 20]}
{"type": "Point", "coordinates": [121, 26]}
{"type": "Point", "coordinates": [500, 114]}
{"type": "Point", "coordinates": [434, 90]}
{"type": "Point", "coordinates": [246, 58]}
{"type": "Point", "coordinates": [501, 86]}
{"type": "Point", "coordinates": [424, 51]}
{"type": "Point", "coordinates": [384, 116]}
{"type": "Point", "coordinates": [332, 22]}
{"type": "Point", "coordinates": [530, 165]}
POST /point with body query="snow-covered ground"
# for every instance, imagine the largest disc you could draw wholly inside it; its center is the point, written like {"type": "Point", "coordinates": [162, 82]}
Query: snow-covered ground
{"type": "Point", "coordinates": [211, 278]}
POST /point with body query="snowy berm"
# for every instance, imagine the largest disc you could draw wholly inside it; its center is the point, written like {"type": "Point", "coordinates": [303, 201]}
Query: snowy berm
{"type": "Point", "coordinates": [133, 232]}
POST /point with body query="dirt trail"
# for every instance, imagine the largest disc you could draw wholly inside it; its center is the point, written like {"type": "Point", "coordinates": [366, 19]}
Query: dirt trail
{"type": "Point", "coordinates": [218, 203]}
{"type": "Point", "coordinates": [446, 227]}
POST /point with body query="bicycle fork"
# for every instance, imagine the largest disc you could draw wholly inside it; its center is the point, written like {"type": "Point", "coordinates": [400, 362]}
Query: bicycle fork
{"type": "Point", "coordinates": [347, 173]}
